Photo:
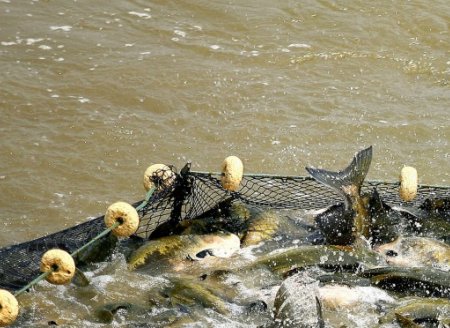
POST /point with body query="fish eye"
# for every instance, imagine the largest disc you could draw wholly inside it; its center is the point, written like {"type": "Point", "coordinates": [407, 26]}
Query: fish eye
{"type": "Point", "coordinates": [203, 254]}
{"type": "Point", "coordinates": [391, 253]}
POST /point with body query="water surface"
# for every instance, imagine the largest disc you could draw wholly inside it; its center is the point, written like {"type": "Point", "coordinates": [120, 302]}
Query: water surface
{"type": "Point", "coordinates": [91, 93]}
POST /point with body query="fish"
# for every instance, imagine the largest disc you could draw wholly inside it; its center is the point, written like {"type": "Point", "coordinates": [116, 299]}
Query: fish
{"type": "Point", "coordinates": [338, 258]}
{"type": "Point", "coordinates": [438, 205]}
{"type": "Point", "coordinates": [296, 303]}
{"type": "Point", "coordinates": [178, 248]}
{"type": "Point", "coordinates": [387, 223]}
{"type": "Point", "coordinates": [431, 218]}
{"type": "Point", "coordinates": [406, 322]}
{"type": "Point", "coordinates": [341, 297]}
{"type": "Point", "coordinates": [347, 222]}
{"type": "Point", "coordinates": [353, 306]}
{"type": "Point", "coordinates": [107, 312]}
{"type": "Point", "coordinates": [188, 292]}
{"type": "Point", "coordinates": [228, 217]}
{"type": "Point", "coordinates": [251, 225]}
{"type": "Point", "coordinates": [261, 227]}
{"type": "Point", "coordinates": [419, 310]}
{"type": "Point", "coordinates": [302, 301]}
{"type": "Point", "coordinates": [416, 251]}
{"type": "Point", "coordinates": [418, 281]}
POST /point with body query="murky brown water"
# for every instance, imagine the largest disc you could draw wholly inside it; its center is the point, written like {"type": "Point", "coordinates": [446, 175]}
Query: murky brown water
{"type": "Point", "coordinates": [91, 93]}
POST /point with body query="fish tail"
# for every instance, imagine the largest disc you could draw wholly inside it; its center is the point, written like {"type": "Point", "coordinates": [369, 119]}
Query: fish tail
{"type": "Point", "coordinates": [353, 175]}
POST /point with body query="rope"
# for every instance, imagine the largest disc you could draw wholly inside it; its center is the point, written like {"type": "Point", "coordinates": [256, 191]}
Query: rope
{"type": "Point", "coordinates": [146, 199]}
{"type": "Point", "coordinates": [93, 240]}
{"type": "Point", "coordinates": [287, 177]}
{"type": "Point", "coordinates": [252, 175]}
{"type": "Point", "coordinates": [33, 282]}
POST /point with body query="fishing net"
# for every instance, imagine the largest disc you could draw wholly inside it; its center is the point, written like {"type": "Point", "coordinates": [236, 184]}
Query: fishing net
{"type": "Point", "coordinates": [191, 195]}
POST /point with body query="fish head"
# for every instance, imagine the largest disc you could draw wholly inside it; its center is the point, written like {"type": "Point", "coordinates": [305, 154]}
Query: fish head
{"type": "Point", "coordinates": [219, 245]}
{"type": "Point", "coordinates": [393, 253]}
{"type": "Point", "coordinates": [416, 252]}
{"type": "Point", "coordinates": [225, 245]}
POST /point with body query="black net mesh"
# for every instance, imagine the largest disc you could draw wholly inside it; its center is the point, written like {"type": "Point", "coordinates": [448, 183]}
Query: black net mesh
{"type": "Point", "coordinates": [191, 195]}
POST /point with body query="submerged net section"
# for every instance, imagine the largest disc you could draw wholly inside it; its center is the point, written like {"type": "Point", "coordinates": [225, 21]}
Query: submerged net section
{"type": "Point", "coordinates": [192, 195]}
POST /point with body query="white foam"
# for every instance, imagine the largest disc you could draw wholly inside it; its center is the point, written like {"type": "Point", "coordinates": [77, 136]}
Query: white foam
{"type": "Point", "coordinates": [65, 28]}
{"type": "Point", "coordinates": [180, 33]}
{"type": "Point", "coordinates": [140, 15]}
{"type": "Point", "coordinates": [31, 41]}
{"type": "Point", "coordinates": [102, 281]}
{"type": "Point", "coordinates": [83, 100]}
{"type": "Point", "coordinates": [299, 45]}
{"type": "Point", "coordinates": [8, 43]}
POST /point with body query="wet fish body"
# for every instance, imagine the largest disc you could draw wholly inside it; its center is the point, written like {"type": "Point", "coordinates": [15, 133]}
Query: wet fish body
{"type": "Point", "coordinates": [386, 222]}
{"type": "Point", "coordinates": [431, 218]}
{"type": "Point", "coordinates": [251, 225]}
{"type": "Point", "coordinates": [353, 306]}
{"type": "Point", "coordinates": [232, 218]}
{"type": "Point", "coordinates": [184, 247]}
{"type": "Point", "coordinates": [363, 218]}
{"type": "Point", "coordinates": [346, 222]}
{"type": "Point", "coordinates": [261, 227]}
{"type": "Point", "coordinates": [341, 297]}
{"type": "Point", "coordinates": [437, 205]}
{"type": "Point", "coordinates": [420, 310]}
{"type": "Point", "coordinates": [410, 281]}
{"type": "Point", "coordinates": [302, 302]}
{"type": "Point", "coordinates": [327, 256]}
{"type": "Point", "coordinates": [190, 293]}
{"type": "Point", "coordinates": [295, 303]}
{"type": "Point", "coordinates": [107, 312]}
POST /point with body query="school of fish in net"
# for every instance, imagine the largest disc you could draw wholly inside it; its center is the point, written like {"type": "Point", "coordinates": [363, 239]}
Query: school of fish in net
{"type": "Point", "coordinates": [361, 261]}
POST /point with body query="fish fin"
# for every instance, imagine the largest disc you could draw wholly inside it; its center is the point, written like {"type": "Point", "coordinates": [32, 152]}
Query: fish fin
{"type": "Point", "coordinates": [320, 321]}
{"type": "Point", "coordinates": [354, 174]}
{"type": "Point", "coordinates": [80, 279]}
{"type": "Point", "coordinates": [362, 243]}
{"type": "Point", "coordinates": [376, 200]}
{"type": "Point", "coordinates": [405, 322]}
{"type": "Point", "coordinates": [417, 214]}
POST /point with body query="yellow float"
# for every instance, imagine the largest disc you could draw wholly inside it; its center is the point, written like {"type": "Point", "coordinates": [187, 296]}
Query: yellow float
{"type": "Point", "coordinates": [9, 308]}
{"type": "Point", "coordinates": [158, 176]}
{"type": "Point", "coordinates": [126, 215]}
{"type": "Point", "coordinates": [232, 173]}
{"type": "Point", "coordinates": [408, 183]}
